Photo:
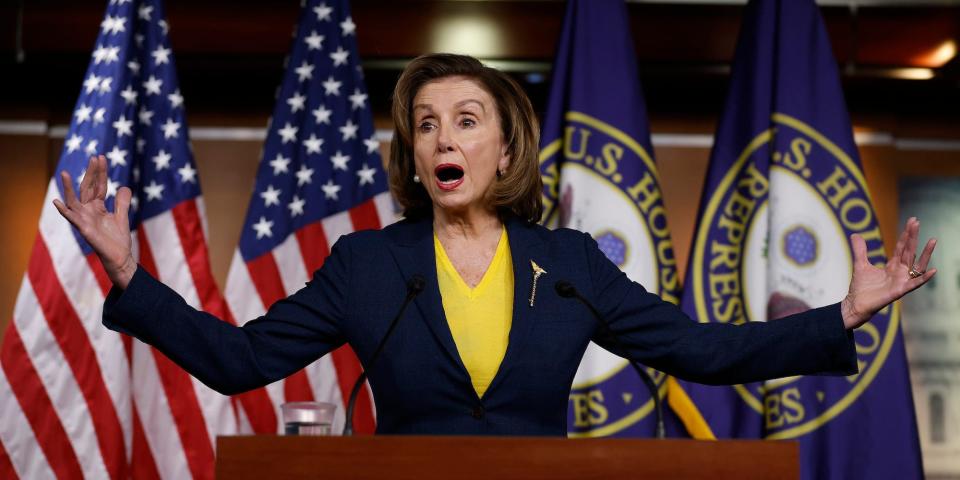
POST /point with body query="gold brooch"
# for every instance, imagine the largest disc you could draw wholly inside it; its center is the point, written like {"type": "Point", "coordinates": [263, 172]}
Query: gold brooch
{"type": "Point", "coordinates": [537, 271]}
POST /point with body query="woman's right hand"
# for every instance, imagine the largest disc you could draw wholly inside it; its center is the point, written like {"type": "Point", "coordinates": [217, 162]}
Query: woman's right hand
{"type": "Point", "coordinates": [108, 233]}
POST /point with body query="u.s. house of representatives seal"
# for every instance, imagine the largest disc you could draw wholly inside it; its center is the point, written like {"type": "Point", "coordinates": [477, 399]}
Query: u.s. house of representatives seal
{"type": "Point", "coordinates": [608, 187]}
{"type": "Point", "coordinates": [773, 241]}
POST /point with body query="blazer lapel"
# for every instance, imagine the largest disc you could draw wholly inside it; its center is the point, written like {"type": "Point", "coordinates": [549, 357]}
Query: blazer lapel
{"type": "Point", "coordinates": [525, 245]}
{"type": "Point", "coordinates": [414, 253]}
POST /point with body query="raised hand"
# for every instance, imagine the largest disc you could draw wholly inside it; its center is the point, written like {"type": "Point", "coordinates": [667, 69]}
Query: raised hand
{"type": "Point", "coordinates": [873, 288]}
{"type": "Point", "coordinates": [108, 233]}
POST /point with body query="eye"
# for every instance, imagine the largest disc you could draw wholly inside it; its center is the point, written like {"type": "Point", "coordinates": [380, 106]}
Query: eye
{"type": "Point", "coordinates": [468, 122]}
{"type": "Point", "coordinates": [425, 127]}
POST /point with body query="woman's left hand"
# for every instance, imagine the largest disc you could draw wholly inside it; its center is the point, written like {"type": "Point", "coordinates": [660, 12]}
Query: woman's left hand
{"type": "Point", "coordinates": [873, 288]}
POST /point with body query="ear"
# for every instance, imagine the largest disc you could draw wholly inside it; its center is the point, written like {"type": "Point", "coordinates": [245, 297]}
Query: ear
{"type": "Point", "coordinates": [504, 163]}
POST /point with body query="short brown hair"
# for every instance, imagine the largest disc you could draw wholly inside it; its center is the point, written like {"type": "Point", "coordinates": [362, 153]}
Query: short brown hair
{"type": "Point", "coordinates": [519, 190]}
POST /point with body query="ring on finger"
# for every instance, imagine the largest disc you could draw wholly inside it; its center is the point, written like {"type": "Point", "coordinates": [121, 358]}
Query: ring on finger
{"type": "Point", "coordinates": [914, 273]}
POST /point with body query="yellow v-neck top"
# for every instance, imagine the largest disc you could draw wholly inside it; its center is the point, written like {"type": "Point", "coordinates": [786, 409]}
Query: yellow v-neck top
{"type": "Point", "coordinates": [479, 317]}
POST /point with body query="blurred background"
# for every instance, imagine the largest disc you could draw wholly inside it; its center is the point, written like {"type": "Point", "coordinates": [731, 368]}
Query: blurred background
{"type": "Point", "coordinates": [898, 59]}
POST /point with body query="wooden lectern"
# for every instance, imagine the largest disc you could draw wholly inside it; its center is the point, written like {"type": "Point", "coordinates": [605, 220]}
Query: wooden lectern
{"type": "Point", "coordinates": [493, 458]}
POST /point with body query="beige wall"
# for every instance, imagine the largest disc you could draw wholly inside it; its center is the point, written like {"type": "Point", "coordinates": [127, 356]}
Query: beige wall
{"type": "Point", "coordinates": [227, 170]}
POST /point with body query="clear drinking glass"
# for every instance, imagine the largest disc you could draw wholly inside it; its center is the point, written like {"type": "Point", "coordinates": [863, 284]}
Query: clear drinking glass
{"type": "Point", "coordinates": [307, 418]}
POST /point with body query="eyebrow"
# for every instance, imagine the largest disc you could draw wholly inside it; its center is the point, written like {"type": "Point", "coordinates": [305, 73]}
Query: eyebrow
{"type": "Point", "coordinates": [461, 103]}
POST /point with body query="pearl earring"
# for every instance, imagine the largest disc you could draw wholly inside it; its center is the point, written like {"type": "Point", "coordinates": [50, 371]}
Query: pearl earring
{"type": "Point", "coordinates": [416, 178]}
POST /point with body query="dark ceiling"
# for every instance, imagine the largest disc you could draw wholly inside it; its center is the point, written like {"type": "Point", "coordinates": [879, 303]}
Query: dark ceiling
{"type": "Point", "coordinates": [230, 53]}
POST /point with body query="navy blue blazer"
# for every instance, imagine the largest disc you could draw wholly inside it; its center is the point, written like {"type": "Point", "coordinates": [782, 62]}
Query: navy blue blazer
{"type": "Point", "coordinates": [420, 385]}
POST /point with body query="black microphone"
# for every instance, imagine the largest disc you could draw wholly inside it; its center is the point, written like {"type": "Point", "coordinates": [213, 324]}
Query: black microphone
{"type": "Point", "coordinates": [415, 285]}
{"type": "Point", "coordinates": [566, 290]}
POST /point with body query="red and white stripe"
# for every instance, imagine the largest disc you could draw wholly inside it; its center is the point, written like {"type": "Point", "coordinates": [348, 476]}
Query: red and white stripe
{"type": "Point", "coordinates": [255, 285]}
{"type": "Point", "coordinates": [78, 400]}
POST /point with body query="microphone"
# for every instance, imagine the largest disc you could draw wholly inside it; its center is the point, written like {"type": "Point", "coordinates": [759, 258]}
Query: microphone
{"type": "Point", "coordinates": [415, 285]}
{"type": "Point", "coordinates": [566, 290]}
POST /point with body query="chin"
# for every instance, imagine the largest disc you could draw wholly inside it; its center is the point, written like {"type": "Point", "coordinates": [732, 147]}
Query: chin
{"type": "Point", "coordinates": [453, 203]}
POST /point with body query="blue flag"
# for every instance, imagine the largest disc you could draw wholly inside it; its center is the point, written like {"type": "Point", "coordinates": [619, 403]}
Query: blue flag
{"type": "Point", "coordinates": [599, 177]}
{"type": "Point", "coordinates": [784, 191]}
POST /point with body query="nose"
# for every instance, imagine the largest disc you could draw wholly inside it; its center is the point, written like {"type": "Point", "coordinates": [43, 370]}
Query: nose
{"type": "Point", "coordinates": [444, 142]}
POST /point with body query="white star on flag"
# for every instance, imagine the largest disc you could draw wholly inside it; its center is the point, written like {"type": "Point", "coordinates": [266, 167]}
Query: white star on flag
{"type": "Point", "coordinates": [339, 57]}
{"type": "Point", "coordinates": [366, 174]}
{"type": "Point", "coordinates": [152, 85]}
{"type": "Point", "coordinates": [161, 55]}
{"type": "Point", "coordinates": [304, 71]}
{"type": "Point", "coordinates": [349, 130]}
{"type": "Point", "coordinates": [296, 102]}
{"type": "Point", "coordinates": [263, 228]}
{"type": "Point", "coordinates": [304, 175]}
{"type": "Point", "coordinates": [330, 189]}
{"type": "Point", "coordinates": [162, 160]}
{"type": "Point", "coordinates": [313, 144]}
{"type": "Point", "coordinates": [91, 147]}
{"type": "Point", "coordinates": [73, 143]}
{"type": "Point", "coordinates": [279, 164]}
{"type": "Point", "coordinates": [117, 156]}
{"type": "Point", "coordinates": [331, 86]}
{"type": "Point", "coordinates": [348, 26]}
{"type": "Point", "coordinates": [323, 12]}
{"type": "Point", "coordinates": [113, 25]}
{"type": "Point", "coordinates": [154, 191]}
{"type": "Point", "coordinates": [340, 161]}
{"type": "Point", "coordinates": [176, 100]}
{"type": "Point", "coordinates": [271, 196]}
{"type": "Point", "coordinates": [106, 54]}
{"type": "Point", "coordinates": [112, 187]}
{"type": "Point", "coordinates": [106, 84]}
{"type": "Point", "coordinates": [99, 54]}
{"type": "Point", "coordinates": [129, 95]}
{"type": "Point", "coordinates": [188, 174]}
{"type": "Point", "coordinates": [83, 113]}
{"type": "Point", "coordinates": [372, 144]}
{"type": "Point", "coordinates": [322, 115]}
{"type": "Point", "coordinates": [358, 99]}
{"type": "Point", "coordinates": [91, 83]}
{"type": "Point", "coordinates": [288, 133]}
{"type": "Point", "coordinates": [144, 12]}
{"type": "Point", "coordinates": [170, 129]}
{"type": "Point", "coordinates": [145, 115]}
{"type": "Point", "coordinates": [314, 41]}
{"type": "Point", "coordinates": [134, 66]}
{"type": "Point", "coordinates": [99, 116]}
{"type": "Point", "coordinates": [122, 125]}
{"type": "Point", "coordinates": [296, 206]}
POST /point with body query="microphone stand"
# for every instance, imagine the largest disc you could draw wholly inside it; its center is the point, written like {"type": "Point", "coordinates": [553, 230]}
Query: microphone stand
{"type": "Point", "coordinates": [414, 287]}
{"type": "Point", "coordinates": [566, 290]}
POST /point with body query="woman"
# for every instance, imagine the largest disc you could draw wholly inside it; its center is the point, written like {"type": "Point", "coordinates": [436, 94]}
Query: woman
{"type": "Point", "coordinates": [490, 348]}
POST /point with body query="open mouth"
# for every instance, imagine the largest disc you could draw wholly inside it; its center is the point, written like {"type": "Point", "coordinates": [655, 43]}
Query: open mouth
{"type": "Point", "coordinates": [449, 176]}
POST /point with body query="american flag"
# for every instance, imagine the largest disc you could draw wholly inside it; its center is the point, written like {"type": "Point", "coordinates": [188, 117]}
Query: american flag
{"type": "Point", "coordinates": [77, 400]}
{"type": "Point", "coordinates": [320, 177]}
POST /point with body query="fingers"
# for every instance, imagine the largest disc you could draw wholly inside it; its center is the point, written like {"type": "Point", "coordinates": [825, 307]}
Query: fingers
{"type": "Point", "coordinates": [901, 243]}
{"type": "Point", "coordinates": [912, 231]}
{"type": "Point", "coordinates": [69, 196]}
{"type": "Point", "coordinates": [122, 207]}
{"type": "Point", "coordinates": [65, 211]}
{"type": "Point", "coordinates": [926, 254]}
{"type": "Point", "coordinates": [89, 178]}
{"type": "Point", "coordinates": [916, 283]}
{"type": "Point", "coordinates": [859, 249]}
{"type": "Point", "coordinates": [100, 183]}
